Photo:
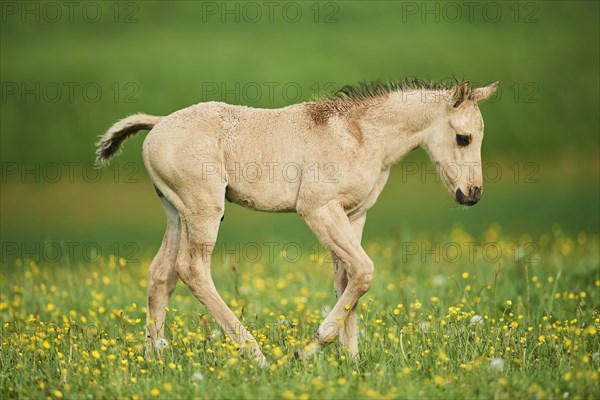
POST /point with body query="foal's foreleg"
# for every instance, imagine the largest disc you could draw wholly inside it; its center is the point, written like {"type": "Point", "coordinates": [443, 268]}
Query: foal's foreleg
{"type": "Point", "coordinates": [348, 333]}
{"type": "Point", "coordinates": [332, 227]}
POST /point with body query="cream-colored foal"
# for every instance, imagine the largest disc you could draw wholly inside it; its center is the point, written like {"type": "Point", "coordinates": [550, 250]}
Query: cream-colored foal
{"type": "Point", "coordinates": [326, 160]}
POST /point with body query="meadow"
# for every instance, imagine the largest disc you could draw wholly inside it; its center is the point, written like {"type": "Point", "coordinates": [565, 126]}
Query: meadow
{"type": "Point", "coordinates": [504, 320]}
{"type": "Point", "coordinates": [500, 300]}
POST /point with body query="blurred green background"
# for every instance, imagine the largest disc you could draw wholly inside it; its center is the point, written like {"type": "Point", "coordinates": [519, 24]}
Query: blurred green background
{"type": "Point", "coordinates": [68, 74]}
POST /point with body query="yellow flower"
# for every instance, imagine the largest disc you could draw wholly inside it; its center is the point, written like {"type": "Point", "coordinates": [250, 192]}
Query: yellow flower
{"type": "Point", "coordinates": [465, 275]}
{"type": "Point", "coordinates": [96, 354]}
{"type": "Point", "coordinates": [277, 352]}
{"type": "Point", "coordinates": [168, 387]}
{"type": "Point", "coordinates": [509, 303]}
{"type": "Point", "coordinates": [542, 339]}
{"type": "Point", "coordinates": [57, 394]}
{"type": "Point", "coordinates": [590, 330]}
{"type": "Point", "coordinates": [155, 392]}
{"type": "Point", "coordinates": [342, 381]}
{"type": "Point", "coordinates": [443, 356]}
{"type": "Point", "coordinates": [46, 344]}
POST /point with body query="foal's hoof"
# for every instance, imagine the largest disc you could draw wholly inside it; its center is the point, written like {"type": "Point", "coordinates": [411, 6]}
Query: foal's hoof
{"type": "Point", "coordinates": [262, 361]}
{"type": "Point", "coordinates": [307, 351]}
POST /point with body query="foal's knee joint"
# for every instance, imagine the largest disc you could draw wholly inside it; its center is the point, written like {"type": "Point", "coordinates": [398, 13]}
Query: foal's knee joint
{"type": "Point", "coordinates": [364, 277]}
{"type": "Point", "coordinates": [364, 281]}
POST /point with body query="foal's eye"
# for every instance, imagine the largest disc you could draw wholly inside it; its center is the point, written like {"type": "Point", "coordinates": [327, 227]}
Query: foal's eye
{"type": "Point", "coordinates": [463, 140]}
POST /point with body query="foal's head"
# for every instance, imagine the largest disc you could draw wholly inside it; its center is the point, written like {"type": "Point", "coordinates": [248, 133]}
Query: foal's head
{"type": "Point", "coordinates": [454, 142]}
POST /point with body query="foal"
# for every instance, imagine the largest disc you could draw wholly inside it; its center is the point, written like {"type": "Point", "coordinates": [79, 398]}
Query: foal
{"type": "Point", "coordinates": [342, 149]}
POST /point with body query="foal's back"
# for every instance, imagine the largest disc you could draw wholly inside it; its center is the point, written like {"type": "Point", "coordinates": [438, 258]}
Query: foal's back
{"type": "Point", "coordinates": [264, 156]}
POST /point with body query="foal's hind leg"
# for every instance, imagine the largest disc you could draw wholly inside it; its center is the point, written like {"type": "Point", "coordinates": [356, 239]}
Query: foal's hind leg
{"type": "Point", "coordinates": [162, 279]}
{"type": "Point", "coordinates": [201, 215]}
{"type": "Point", "coordinates": [348, 333]}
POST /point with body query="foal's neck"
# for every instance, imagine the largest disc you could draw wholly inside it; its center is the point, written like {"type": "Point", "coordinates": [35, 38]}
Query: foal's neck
{"type": "Point", "coordinates": [398, 123]}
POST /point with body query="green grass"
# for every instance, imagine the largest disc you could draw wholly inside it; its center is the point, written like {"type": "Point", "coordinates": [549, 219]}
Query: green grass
{"type": "Point", "coordinates": [57, 312]}
{"type": "Point", "coordinates": [77, 332]}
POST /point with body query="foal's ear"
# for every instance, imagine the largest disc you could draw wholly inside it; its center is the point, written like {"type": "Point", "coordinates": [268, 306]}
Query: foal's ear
{"type": "Point", "coordinates": [459, 94]}
{"type": "Point", "coordinates": [483, 93]}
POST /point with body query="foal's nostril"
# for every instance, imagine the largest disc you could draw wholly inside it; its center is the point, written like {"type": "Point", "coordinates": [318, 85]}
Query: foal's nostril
{"type": "Point", "coordinates": [460, 197]}
{"type": "Point", "coordinates": [475, 194]}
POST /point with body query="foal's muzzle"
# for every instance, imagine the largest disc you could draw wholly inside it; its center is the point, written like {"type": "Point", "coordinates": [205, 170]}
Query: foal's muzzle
{"type": "Point", "coordinates": [471, 199]}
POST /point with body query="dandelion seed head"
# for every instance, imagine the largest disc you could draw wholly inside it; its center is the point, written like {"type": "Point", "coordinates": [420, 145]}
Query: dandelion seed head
{"type": "Point", "coordinates": [497, 364]}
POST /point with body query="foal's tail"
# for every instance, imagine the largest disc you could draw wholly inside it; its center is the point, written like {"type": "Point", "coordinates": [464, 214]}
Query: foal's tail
{"type": "Point", "coordinates": [111, 141]}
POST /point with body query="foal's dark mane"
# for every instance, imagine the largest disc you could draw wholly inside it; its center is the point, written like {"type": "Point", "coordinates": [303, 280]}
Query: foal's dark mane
{"type": "Point", "coordinates": [374, 89]}
{"type": "Point", "coordinates": [357, 97]}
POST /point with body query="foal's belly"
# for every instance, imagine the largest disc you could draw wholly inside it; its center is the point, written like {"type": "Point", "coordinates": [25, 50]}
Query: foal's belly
{"type": "Point", "coordinates": [262, 195]}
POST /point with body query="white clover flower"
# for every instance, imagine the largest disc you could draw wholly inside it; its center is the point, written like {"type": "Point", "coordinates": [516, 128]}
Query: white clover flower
{"type": "Point", "coordinates": [438, 280]}
{"type": "Point", "coordinates": [284, 322]}
{"type": "Point", "coordinates": [197, 377]}
{"type": "Point", "coordinates": [424, 327]}
{"type": "Point", "coordinates": [215, 334]}
{"type": "Point", "coordinates": [476, 320]}
{"type": "Point", "coordinates": [497, 364]}
{"type": "Point", "coordinates": [161, 344]}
